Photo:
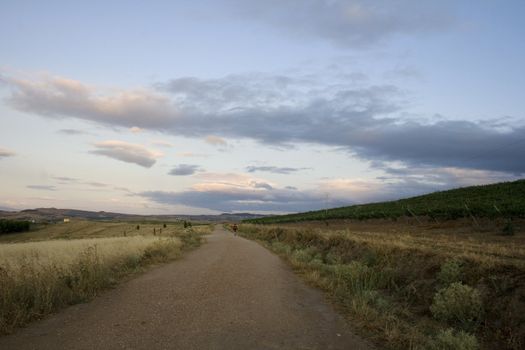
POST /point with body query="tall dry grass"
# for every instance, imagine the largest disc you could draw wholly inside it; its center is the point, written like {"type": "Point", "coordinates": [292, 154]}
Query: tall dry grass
{"type": "Point", "coordinates": [37, 278]}
{"type": "Point", "coordinates": [413, 291]}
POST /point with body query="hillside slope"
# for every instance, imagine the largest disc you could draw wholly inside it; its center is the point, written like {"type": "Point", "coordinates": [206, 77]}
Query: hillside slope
{"type": "Point", "coordinates": [506, 200]}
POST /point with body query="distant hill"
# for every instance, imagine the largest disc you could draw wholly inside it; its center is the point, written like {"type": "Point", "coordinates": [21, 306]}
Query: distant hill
{"type": "Point", "coordinates": [53, 214]}
{"type": "Point", "coordinates": [506, 199]}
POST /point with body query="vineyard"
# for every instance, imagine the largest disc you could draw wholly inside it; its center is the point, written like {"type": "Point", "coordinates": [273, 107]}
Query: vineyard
{"type": "Point", "coordinates": [501, 200]}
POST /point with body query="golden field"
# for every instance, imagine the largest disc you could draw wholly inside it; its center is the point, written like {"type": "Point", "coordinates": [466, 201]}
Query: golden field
{"type": "Point", "coordinates": [62, 264]}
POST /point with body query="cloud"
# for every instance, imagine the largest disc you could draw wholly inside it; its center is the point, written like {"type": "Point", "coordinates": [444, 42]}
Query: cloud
{"type": "Point", "coordinates": [241, 192]}
{"type": "Point", "coordinates": [42, 187]}
{"type": "Point", "coordinates": [135, 130]}
{"type": "Point", "coordinates": [184, 170]}
{"type": "Point", "coordinates": [127, 152]}
{"type": "Point", "coordinates": [264, 185]}
{"type": "Point", "coordinates": [96, 184]}
{"type": "Point", "coordinates": [273, 169]}
{"type": "Point", "coordinates": [349, 23]}
{"type": "Point", "coordinates": [192, 155]}
{"type": "Point", "coordinates": [255, 197]}
{"type": "Point", "coordinates": [161, 143]}
{"type": "Point", "coordinates": [367, 121]}
{"type": "Point", "coordinates": [215, 140]}
{"type": "Point", "coordinates": [437, 179]}
{"type": "Point", "coordinates": [4, 153]}
{"type": "Point", "coordinates": [72, 132]}
{"type": "Point", "coordinates": [64, 180]}
{"type": "Point", "coordinates": [57, 97]}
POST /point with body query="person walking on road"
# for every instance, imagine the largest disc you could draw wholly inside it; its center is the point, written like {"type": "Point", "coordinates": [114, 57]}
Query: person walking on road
{"type": "Point", "coordinates": [234, 228]}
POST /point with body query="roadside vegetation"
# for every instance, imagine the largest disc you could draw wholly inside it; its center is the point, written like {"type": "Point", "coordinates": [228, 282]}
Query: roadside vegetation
{"type": "Point", "coordinates": [64, 264]}
{"type": "Point", "coordinates": [504, 200]}
{"type": "Point", "coordinates": [410, 290]}
{"type": "Point", "coordinates": [11, 226]}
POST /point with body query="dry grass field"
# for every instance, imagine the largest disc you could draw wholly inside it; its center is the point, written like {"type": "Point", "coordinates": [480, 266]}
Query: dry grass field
{"type": "Point", "coordinates": [94, 229]}
{"type": "Point", "coordinates": [61, 264]}
{"type": "Point", "coordinates": [410, 285]}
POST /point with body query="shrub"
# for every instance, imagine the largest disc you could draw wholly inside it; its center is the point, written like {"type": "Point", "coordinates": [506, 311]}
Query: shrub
{"type": "Point", "coordinates": [317, 263]}
{"type": "Point", "coordinates": [458, 304]}
{"type": "Point", "coordinates": [281, 248]}
{"type": "Point", "coordinates": [450, 340]}
{"type": "Point", "coordinates": [374, 298]}
{"type": "Point", "coordinates": [162, 250]}
{"type": "Point", "coordinates": [333, 258]}
{"type": "Point", "coordinates": [357, 277]}
{"type": "Point", "coordinates": [450, 272]}
{"type": "Point", "coordinates": [302, 255]}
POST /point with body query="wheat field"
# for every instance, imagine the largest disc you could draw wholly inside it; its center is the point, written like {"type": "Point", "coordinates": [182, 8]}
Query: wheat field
{"type": "Point", "coordinates": [64, 264]}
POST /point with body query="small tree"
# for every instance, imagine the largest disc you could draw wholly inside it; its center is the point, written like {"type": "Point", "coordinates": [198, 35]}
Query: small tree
{"type": "Point", "coordinates": [138, 227]}
{"type": "Point", "coordinates": [164, 226]}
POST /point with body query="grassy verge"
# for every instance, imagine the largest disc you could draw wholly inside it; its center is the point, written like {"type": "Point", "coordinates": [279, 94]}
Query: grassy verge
{"type": "Point", "coordinates": [38, 278]}
{"type": "Point", "coordinates": [412, 292]}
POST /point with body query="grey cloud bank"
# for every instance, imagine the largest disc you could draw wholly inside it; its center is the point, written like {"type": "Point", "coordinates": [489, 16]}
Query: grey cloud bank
{"type": "Point", "coordinates": [257, 199]}
{"type": "Point", "coordinates": [350, 23]}
{"type": "Point", "coordinates": [280, 110]}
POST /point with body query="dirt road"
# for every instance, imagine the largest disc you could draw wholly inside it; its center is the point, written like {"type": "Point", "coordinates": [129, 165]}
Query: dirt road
{"type": "Point", "coordinates": [229, 294]}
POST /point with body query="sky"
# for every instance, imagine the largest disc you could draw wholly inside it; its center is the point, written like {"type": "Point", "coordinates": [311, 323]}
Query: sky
{"type": "Point", "coordinates": [276, 106]}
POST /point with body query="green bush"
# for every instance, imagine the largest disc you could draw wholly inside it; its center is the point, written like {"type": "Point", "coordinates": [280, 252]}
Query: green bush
{"type": "Point", "coordinates": [458, 304]}
{"type": "Point", "coordinates": [450, 272]}
{"type": "Point", "coordinates": [450, 340]}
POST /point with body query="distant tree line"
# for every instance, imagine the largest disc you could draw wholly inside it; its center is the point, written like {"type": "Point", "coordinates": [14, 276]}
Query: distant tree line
{"type": "Point", "coordinates": [10, 226]}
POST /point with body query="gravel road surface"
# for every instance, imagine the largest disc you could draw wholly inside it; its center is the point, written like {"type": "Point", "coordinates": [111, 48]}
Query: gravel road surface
{"type": "Point", "coordinates": [231, 293]}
